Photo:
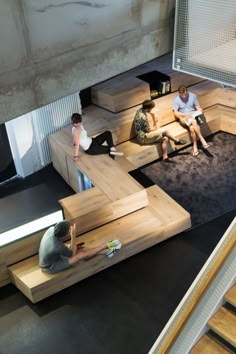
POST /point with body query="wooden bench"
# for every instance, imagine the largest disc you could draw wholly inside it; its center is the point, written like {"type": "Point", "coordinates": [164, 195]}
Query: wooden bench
{"type": "Point", "coordinates": [137, 231]}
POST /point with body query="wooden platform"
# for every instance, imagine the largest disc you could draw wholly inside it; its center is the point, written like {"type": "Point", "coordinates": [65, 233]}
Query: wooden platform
{"type": "Point", "coordinates": [117, 207]}
{"type": "Point", "coordinates": [137, 231]}
{"type": "Point", "coordinates": [117, 95]}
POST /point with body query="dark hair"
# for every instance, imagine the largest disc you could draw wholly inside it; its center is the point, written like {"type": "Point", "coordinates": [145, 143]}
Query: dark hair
{"type": "Point", "coordinates": [182, 89]}
{"type": "Point", "coordinates": [61, 229]}
{"type": "Point", "coordinates": [148, 104]}
{"type": "Point", "coordinates": [76, 118]}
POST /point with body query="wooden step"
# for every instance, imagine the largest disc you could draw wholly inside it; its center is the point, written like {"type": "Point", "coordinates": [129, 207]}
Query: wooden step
{"type": "Point", "coordinates": [209, 345]}
{"type": "Point", "coordinates": [224, 324]}
{"type": "Point", "coordinates": [92, 208]}
{"type": "Point", "coordinates": [230, 296]}
{"type": "Point", "coordinates": [228, 119]}
{"type": "Point", "coordinates": [173, 215]}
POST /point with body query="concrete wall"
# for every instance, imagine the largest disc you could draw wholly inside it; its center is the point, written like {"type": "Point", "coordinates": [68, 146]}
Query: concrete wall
{"type": "Point", "coordinates": [53, 48]}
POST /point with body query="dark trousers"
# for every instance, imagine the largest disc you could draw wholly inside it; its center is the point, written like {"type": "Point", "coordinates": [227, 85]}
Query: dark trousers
{"type": "Point", "coordinates": [96, 147]}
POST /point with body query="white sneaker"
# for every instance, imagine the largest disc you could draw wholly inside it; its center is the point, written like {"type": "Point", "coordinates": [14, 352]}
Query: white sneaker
{"type": "Point", "coordinates": [114, 247]}
{"type": "Point", "coordinates": [117, 153]}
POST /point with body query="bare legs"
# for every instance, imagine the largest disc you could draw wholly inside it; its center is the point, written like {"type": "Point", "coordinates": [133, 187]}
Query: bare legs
{"type": "Point", "coordinates": [164, 147]}
{"type": "Point", "coordinates": [167, 134]}
{"type": "Point", "coordinates": [161, 136]}
{"type": "Point", "coordinates": [196, 132]}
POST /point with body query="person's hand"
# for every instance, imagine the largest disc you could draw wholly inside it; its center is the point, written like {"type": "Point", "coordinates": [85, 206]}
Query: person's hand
{"type": "Point", "coordinates": [183, 121]}
{"type": "Point", "coordinates": [76, 158]}
{"type": "Point", "coordinates": [73, 230]}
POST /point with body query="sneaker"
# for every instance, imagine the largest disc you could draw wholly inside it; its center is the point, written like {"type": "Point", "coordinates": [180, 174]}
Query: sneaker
{"type": "Point", "coordinates": [181, 142]}
{"type": "Point", "coordinates": [117, 153]}
{"type": "Point", "coordinates": [114, 247]}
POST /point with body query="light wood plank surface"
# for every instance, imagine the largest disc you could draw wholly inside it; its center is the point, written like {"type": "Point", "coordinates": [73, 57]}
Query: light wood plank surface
{"type": "Point", "coordinates": [120, 93]}
{"type": "Point", "coordinates": [80, 204]}
{"type": "Point", "coordinates": [230, 296]}
{"type": "Point", "coordinates": [224, 324]}
{"type": "Point", "coordinates": [209, 345]}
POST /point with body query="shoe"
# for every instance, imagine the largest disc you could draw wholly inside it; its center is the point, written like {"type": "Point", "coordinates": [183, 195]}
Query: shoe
{"type": "Point", "coordinates": [117, 153]}
{"type": "Point", "coordinates": [199, 120]}
{"type": "Point", "coordinates": [195, 153]}
{"type": "Point", "coordinates": [114, 247]}
{"type": "Point", "coordinates": [206, 146]}
{"type": "Point", "coordinates": [181, 142]}
{"type": "Point", "coordinates": [168, 160]}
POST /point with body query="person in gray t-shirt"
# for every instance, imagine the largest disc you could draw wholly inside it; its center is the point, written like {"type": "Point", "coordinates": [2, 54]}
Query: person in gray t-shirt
{"type": "Point", "coordinates": [55, 256]}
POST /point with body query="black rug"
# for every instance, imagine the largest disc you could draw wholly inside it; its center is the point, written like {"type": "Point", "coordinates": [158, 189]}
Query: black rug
{"type": "Point", "coordinates": [203, 185]}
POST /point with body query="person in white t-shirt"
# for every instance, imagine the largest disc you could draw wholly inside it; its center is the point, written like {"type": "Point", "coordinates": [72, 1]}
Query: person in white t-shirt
{"type": "Point", "coordinates": [189, 114]}
{"type": "Point", "coordinates": [91, 146]}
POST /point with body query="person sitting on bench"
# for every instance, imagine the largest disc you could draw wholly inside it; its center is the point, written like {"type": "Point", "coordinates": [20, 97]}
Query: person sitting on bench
{"type": "Point", "coordinates": [146, 135]}
{"type": "Point", "coordinates": [92, 146]}
{"type": "Point", "coordinates": [55, 256]}
{"type": "Point", "coordinates": [188, 113]}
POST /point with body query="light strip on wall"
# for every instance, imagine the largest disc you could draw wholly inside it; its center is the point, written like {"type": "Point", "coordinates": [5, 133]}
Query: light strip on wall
{"type": "Point", "coordinates": [30, 228]}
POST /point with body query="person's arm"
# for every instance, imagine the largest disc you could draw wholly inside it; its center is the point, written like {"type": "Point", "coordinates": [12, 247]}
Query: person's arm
{"type": "Point", "coordinates": [197, 106]}
{"type": "Point", "coordinates": [154, 120]}
{"type": "Point", "coordinates": [180, 117]}
{"type": "Point", "coordinates": [76, 140]}
{"type": "Point", "coordinates": [73, 245]}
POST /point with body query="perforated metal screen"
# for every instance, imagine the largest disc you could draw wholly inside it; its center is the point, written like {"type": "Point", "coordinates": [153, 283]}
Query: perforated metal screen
{"type": "Point", "coordinates": [205, 39]}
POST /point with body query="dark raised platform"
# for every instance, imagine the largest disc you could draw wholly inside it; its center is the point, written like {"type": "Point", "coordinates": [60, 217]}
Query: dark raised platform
{"type": "Point", "coordinates": [26, 206]}
{"type": "Point", "coordinates": [159, 83]}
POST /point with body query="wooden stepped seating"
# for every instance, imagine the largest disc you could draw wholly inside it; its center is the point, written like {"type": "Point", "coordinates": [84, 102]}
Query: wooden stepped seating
{"type": "Point", "coordinates": [210, 345]}
{"type": "Point", "coordinates": [137, 231]}
{"type": "Point", "coordinates": [93, 208]}
{"type": "Point", "coordinates": [230, 296]}
{"type": "Point", "coordinates": [224, 324]}
{"type": "Point", "coordinates": [141, 218]}
{"type": "Point", "coordinates": [218, 117]}
{"type": "Point", "coordinates": [139, 155]}
{"type": "Point", "coordinates": [97, 119]}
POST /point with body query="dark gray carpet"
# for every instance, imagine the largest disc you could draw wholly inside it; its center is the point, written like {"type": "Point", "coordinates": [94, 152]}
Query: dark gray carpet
{"type": "Point", "coordinates": [203, 185]}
